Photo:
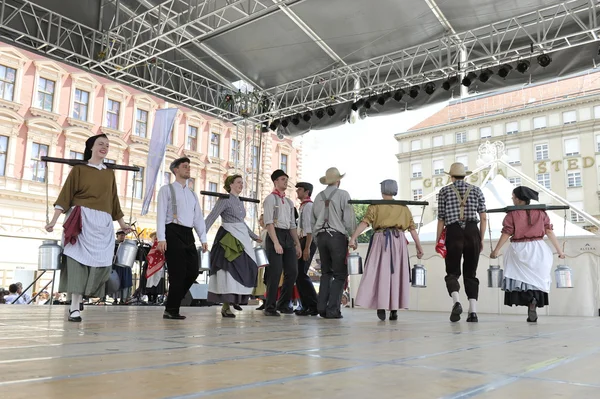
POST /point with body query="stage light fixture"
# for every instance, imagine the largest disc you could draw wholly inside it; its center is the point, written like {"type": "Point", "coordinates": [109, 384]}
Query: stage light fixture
{"type": "Point", "coordinates": [504, 70]}
{"type": "Point", "coordinates": [296, 119]}
{"type": "Point", "coordinates": [285, 123]}
{"type": "Point", "coordinates": [356, 105]}
{"type": "Point", "coordinates": [468, 79]}
{"type": "Point", "coordinates": [384, 98]}
{"type": "Point", "coordinates": [399, 94]}
{"type": "Point", "coordinates": [330, 111]}
{"type": "Point", "coordinates": [523, 66]}
{"type": "Point", "coordinates": [307, 115]}
{"type": "Point", "coordinates": [450, 83]}
{"type": "Point", "coordinates": [265, 127]}
{"type": "Point", "coordinates": [320, 113]}
{"type": "Point", "coordinates": [414, 91]}
{"type": "Point", "coordinates": [430, 88]}
{"type": "Point", "coordinates": [485, 75]}
{"type": "Point", "coordinates": [544, 60]}
{"type": "Point", "coordinates": [274, 125]}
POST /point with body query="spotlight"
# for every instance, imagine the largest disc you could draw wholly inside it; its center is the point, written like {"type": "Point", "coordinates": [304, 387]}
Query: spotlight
{"type": "Point", "coordinates": [274, 125]}
{"type": "Point", "coordinates": [285, 123]}
{"type": "Point", "coordinates": [504, 70]}
{"type": "Point", "coordinates": [414, 91]}
{"type": "Point", "coordinates": [523, 66]}
{"type": "Point", "coordinates": [320, 113]}
{"type": "Point", "coordinates": [430, 88]}
{"type": "Point", "coordinates": [485, 75]}
{"type": "Point", "coordinates": [370, 102]}
{"type": "Point", "coordinates": [399, 94]}
{"type": "Point", "coordinates": [330, 111]}
{"type": "Point", "coordinates": [383, 98]}
{"type": "Point", "coordinates": [307, 115]}
{"type": "Point", "coordinates": [468, 79]}
{"type": "Point", "coordinates": [544, 60]}
{"type": "Point", "coordinates": [357, 104]}
{"type": "Point", "coordinates": [451, 82]}
{"type": "Point", "coordinates": [296, 119]}
{"type": "Point", "coordinates": [265, 127]}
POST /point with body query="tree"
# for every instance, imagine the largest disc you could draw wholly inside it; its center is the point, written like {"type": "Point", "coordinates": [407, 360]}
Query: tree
{"type": "Point", "coordinates": [360, 210]}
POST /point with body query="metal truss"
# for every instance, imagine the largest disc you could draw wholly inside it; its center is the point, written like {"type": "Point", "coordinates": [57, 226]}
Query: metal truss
{"type": "Point", "coordinates": [554, 28]}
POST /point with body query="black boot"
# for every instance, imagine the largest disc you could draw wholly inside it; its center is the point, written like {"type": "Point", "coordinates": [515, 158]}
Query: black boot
{"type": "Point", "coordinates": [381, 314]}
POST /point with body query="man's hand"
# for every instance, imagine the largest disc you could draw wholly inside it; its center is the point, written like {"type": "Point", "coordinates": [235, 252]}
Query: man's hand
{"type": "Point", "coordinates": [278, 248]}
{"type": "Point", "coordinates": [162, 246]}
{"type": "Point", "coordinates": [204, 246]}
{"type": "Point", "coordinates": [352, 244]}
{"type": "Point", "coordinates": [481, 247]}
{"type": "Point", "coordinates": [306, 254]}
{"type": "Point", "coordinates": [298, 251]}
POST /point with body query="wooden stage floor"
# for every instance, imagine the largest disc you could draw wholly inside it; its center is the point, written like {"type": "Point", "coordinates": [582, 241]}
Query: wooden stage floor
{"type": "Point", "coordinates": [131, 352]}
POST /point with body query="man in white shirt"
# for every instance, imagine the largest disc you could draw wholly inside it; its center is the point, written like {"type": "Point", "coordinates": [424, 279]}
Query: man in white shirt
{"type": "Point", "coordinates": [178, 213]}
{"type": "Point", "coordinates": [306, 289]}
{"type": "Point", "coordinates": [26, 297]}
{"type": "Point", "coordinates": [11, 298]}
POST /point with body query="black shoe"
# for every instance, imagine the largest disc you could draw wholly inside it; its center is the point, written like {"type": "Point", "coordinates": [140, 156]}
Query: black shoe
{"type": "Point", "coordinates": [532, 312]}
{"type": "Point", "coordinates": [307, 312]}
{"type": "Point", "coordinates": [286, 311]}
{"type": "Point", "coordinates": [337, 316]}
{"type": "Point", "coordinates": [261, 307]}
{"type": "Point", "coordinates": [81, 307]}
{"type": "Point", "coordinates": [271, 313]}
{"type": "Point", "coordinates": [381, 314]}
{"type": "Point", "coordinates": [394, 315]}
{"type": "Point", "coordinates": [322, 314]}
{"type": "Point", "coordinates": [74, 319]}
{"type": "Point", "coordinates": [237, 307]}
{"type": "Point", "coordinates": [173, 316]}
{"type": "Point", "coordinates": [227, 313]}
{"type": "Point", "coordinates": [472, 318]}
{"type": "Point", "coordinates": [456, 311]}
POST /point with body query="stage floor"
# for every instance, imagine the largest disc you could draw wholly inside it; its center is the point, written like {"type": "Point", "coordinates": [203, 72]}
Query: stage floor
{"type": "Point", "coordinates": [131, 352]}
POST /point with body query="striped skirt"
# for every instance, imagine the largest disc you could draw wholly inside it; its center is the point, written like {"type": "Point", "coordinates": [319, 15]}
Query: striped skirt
{"type": "Point", "coordinates": [76, 278]}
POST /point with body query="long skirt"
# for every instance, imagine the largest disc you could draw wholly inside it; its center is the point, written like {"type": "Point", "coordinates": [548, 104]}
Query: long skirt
{"type": "Point", "coordinates": [261, 288]}
{"type": "Point", "coordinates": [527, 268]}
{"type": "Point", "coordinates": [231, 282]}
{"type": "Point", "coordinates": [76, 278]}
{"type": "Point", "coordinates": [386, 278]}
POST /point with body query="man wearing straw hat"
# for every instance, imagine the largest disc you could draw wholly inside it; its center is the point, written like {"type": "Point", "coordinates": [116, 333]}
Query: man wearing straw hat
{"type": "Point", "coordinates": [461, 207]}
{"type": "Point", "coordinates": [333, 222]}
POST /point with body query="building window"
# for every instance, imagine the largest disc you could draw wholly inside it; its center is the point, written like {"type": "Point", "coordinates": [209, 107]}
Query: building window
{"type": "Point", "coordinates": [544, 180]}
{"type": "Point", "coordinates": [571, 147]}
{"type": "Point", "coordinates": [515, 181]}
{"type": "Point", "coordinates": [597, 143]}
{"type": "Point", "coordinates": [461, 137]}
{"type": "Point", "coordinates": [254, 157]}
{"type": "Point", "coordinates": [112, 114]}
{"type": "Point", "coordinates": [514, 156]}
{"type": "Point", "coordinates": [45, 98]}
{"type": "Point", "coordinates": [438, 167]}
{"type": "Point", "coordinates": [235, 150]}
{"type": "Point", "coordinates": [512, 128]}
{"type": "Point", "coordinates": [574, 179]}
{"type": "Point", "coordinates": [464, 159]}
{"type": "Point", "coordinates": [3, 151]}
{"type": "Point", "coordinates": [485, 132]}
{"type": "Point", "coordinates": [539, 122]}
{"type": "Point", "coordinates": [138, 183]}
{"type": "Point", "coordinates": [38, 167]}
{"type": "Point", "coordinates": [215, 143]}
{"type": "Point", "coordinates": [417, 194]}
{"type": "Point", "coordinates": [283, 165]}
{"type": "Point", "coordinates": [415, 145]}
{"type": "Point", "coordinates": [575, 217]}
{"type": "Point", "coordinates": [8, 76]}
{"type": "Point", "coordinates": [438, 141]}
{"type": "Point", "coordinates": [569, 117]}
{"type": "Point", "coordinates": [75, 155]}
{"type": "Point", "coordinates": [211, 200]}
{"type": "Point", "coordinates": [597, 112]}
{"type": "Point", "coordinates": [417, 171]}
{"type": "Point", "coordinates": [141, 123]}
{"type": "Point", "coordinates": [541, 152]}
{"type": "Point", "coordinates": [81, 105]}
{"type": "Point", "coordinates": [191, 183]}
{"type": "Point", "coordinates": [192, 138]}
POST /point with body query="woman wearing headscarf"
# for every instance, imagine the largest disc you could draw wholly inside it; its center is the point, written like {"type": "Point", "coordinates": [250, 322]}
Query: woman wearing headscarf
{"type": "Point", "coordinates": [233, 269]}
{"type": "Point", "coordinates": [528, 260]}
{"type": "Point", "coordinates": [90, 198]}
{"type": "Point", "coordinates": [385, 282]}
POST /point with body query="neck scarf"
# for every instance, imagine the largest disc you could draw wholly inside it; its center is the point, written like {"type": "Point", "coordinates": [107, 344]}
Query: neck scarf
{"type": "Point", "coordinates": [307, 200]}
{"type": "Point", "coordinates": [280, 195]}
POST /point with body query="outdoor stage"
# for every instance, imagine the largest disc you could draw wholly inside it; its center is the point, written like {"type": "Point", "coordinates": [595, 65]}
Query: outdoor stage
{"type": "Point", "coordinates": [131, 352]}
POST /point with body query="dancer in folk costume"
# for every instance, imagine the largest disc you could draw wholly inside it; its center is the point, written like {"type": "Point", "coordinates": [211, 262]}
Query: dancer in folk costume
{"type": "Point", "coordinates": [385, 282]}
{"type": "Point", "coordinates": [528, 260]}
{"type": "Point", "coordinates": [90, 197]}
{"type": "Point", "coordinates": [260, 289]}
{"type": "Point", "coordinates": [233, 267]}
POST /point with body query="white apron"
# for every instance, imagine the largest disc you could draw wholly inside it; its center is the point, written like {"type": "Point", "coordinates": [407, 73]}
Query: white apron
{"type": "Point", "coordinates": [529, 262]}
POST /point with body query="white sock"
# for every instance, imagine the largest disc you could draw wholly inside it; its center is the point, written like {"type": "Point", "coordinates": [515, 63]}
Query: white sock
{"type": "Point", "coordinates": [75, 301]}
{"type": "Point", "coordinates": [472, 305]}
{"type": "Point", "coordinates": [455, 297]}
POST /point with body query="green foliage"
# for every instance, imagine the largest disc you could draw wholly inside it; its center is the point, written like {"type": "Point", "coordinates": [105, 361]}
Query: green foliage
{"type": "Point", "coordinates": [360, 210]}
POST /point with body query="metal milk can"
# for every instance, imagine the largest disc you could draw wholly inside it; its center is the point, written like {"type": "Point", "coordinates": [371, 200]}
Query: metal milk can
{"type": "Point", "coordinates": [495, 276]}
{"type": "Point", "coordinates": [204, 260]}
{"type": "Point", "coordinates": [49, 255]}
{"type": "Point", "coordinates": [261, 256]}
{"type": "Point", "coordinates": [419, 276]}
{"type": "Point", "coordinates": [126, 253]}
{"type": "Point", "coordinates": [355, 264]}
{"type": "Point", "coordinates": [564, 276]}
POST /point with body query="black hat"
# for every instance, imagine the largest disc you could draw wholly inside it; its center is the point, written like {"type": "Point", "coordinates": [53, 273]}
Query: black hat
{"type": "Point", "coordinates": [525, 193]}
{"type": "Point", "coordinates": [307, 186]}
{"type": "Point", "coordinates": [277, 174]}
{"type": "Point", "coordinates": [89, 143]}
{"type": "Point", "coordinates": [177, 162]}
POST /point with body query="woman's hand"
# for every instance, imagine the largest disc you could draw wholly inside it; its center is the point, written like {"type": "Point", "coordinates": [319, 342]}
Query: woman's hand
{"type": "Point", "coordinates": [352, 244]}
{"type": "Point", "coordinates": [50, 227]}
{"type": "Point", "coordinates": [258, 240]}
{"type": "Point", "coordinates": [561, 254]}
{"type": "Point", "coordinates": [494, 254]}
{"type": "Point", "coordinates": [419, 252]}
{"type": "Point", "coordinates": [125, 227]}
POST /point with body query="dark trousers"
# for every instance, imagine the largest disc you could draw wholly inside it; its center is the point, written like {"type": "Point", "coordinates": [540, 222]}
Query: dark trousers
{"type": "Point", "coordinates": [463, 244]}
{"type": "Point", "coordinates": [333, 248]}
{"type": "Point", "coordinates": [182, 262]}
{"type": "Point", "coordinates": [306, 288]}
{"type": "Point", "coordinates": [279, 263]}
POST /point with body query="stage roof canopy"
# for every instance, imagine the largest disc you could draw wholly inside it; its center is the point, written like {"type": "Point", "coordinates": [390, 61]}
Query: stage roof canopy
{"type": "Point", "coordinates": [305, 55]}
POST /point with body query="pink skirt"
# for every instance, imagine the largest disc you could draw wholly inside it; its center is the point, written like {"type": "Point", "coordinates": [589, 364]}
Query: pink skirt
{"type": "Point", "coordinates": [380, 287]}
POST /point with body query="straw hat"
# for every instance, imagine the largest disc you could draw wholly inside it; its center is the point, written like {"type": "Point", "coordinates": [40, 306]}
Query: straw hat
{"type": "Point", "coordinates": [458, 169]}
{"type": "Point", "coordinates": [331, 176]}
